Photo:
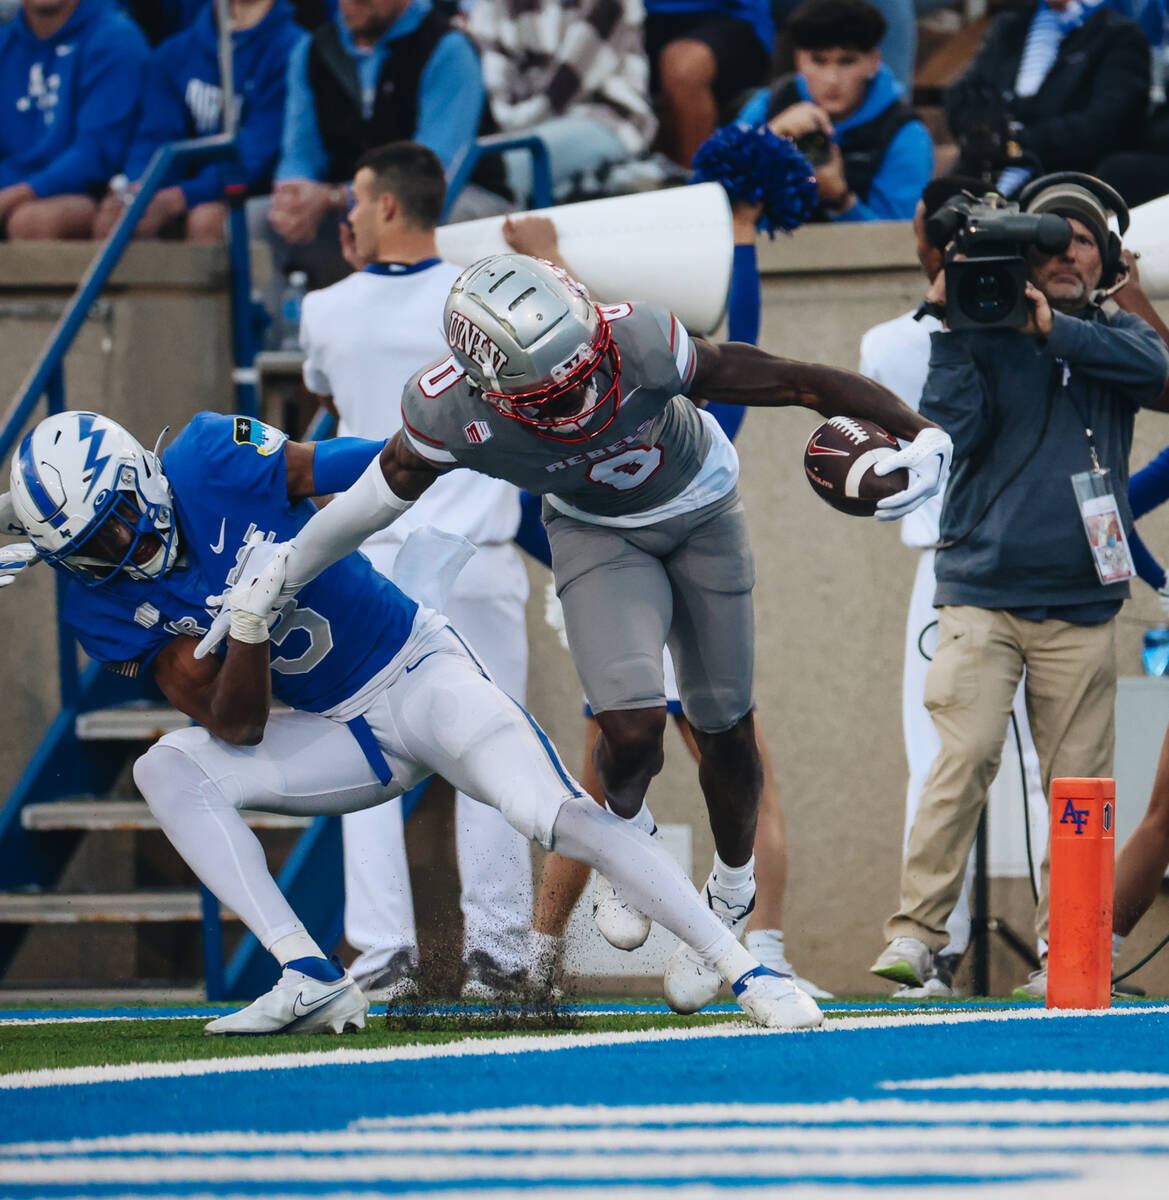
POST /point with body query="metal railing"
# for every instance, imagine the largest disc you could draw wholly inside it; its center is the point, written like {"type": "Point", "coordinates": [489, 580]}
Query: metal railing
{"type": "Point", "coordinates": [500, 143]}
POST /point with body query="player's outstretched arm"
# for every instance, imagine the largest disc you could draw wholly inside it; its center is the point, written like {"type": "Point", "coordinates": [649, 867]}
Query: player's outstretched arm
{"type": "Point", "coordinates": [387, 488]}
{"type": "Point", "coordinates": [229, 697]}
{"type": "Point", "coordinates": [735, 373]}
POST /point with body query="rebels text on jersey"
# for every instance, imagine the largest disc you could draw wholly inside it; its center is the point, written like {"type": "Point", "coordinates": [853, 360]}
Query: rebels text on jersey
{"type": "Point", "coordinates": [228, 479]}
{"type": "Point", "coordinates": [648, 454]}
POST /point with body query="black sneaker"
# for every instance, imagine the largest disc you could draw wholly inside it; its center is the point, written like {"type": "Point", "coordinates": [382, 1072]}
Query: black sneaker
{"type": "Point", "coordinates": [485, 980]}
{"type": "Point", "coordinates": [395, 982]}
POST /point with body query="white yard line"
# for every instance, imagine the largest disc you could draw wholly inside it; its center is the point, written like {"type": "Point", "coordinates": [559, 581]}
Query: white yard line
{"type": "Point", "coordinates": [522, 1044]}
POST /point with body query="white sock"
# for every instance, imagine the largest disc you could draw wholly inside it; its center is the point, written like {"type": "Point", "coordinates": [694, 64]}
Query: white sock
{"type": "Point", "coordinates": [733, 878]}
{"type": "Point", "coordinates": [766, 945]}
{"type": "Point", "coordinates": [735, 963]}
{"type": "Point", "coordinates": [1117, 945]}
{"type": "Point", "coordinates": [544, 954]}
{"type": "Point", "coordinates": [642, 819]}
{"type": "Point", "coordinates": [297, 944]}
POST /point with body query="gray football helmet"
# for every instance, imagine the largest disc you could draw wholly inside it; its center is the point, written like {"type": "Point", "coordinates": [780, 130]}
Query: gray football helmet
{"type": "Point", "coordinates": [528, 336]}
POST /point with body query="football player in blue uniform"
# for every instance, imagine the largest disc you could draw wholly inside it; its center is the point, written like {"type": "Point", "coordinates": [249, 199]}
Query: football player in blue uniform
{"type": "Point", "coordinates": [381, 690]}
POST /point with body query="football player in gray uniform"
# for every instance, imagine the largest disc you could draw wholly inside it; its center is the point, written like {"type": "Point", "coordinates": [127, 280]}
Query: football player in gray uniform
{"type": "Point", "coordinates": [587, 405]}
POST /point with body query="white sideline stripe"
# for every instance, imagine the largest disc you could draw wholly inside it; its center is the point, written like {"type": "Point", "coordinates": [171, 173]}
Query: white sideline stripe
{"type": "Point", "coordinates": [664, 1120]}
{"type": "Point", "coordinates": [792, 1138]}
{"type": "Point", "coordinates": [598, 1166]}
{"type": "Point", "coordinates": [836, 1112]}
{"type": "Point", "coordinates": [1038, 1080]}
{"type": "Point", "coordinates": [523, 1044]}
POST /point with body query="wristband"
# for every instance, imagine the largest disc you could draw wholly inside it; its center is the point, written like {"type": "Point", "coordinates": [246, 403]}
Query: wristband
{"type": "Point", "coordinates": [247, 627]}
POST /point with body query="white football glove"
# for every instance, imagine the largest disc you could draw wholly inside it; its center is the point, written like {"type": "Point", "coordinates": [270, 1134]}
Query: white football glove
{"type": "Point", "coordinates": [254, 601]}
{"type": "Point", "coordinates": [15, 559]}
{"type": "Point", "coordinates": [927, 459]}
{"type": "Point", "coordinates": [8, 523]}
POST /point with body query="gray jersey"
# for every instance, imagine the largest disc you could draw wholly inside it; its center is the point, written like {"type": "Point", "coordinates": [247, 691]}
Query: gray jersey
{"type": "Point", "coordinates": [647, 455]}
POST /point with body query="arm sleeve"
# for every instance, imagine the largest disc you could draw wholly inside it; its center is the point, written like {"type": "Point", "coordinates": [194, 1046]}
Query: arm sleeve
{"type": "Point", "coordinates": [340, 462]}
{"type": "Point", "coordinates": [450, 101]}
{"type": "Point", "coordinates": [1126, 352]}
{"type": "Point", "coordinates": [302, 155]}
{"type": "Point", "coordinates": [108, 90]}
{"type": "Point", "coordinates": [1116, 99]}
{"type": "Point", "coordinates": [954, 395]}
{"type": "Point", "coordinates": [907, 166]}
{"type": "Point", "coordinates": [1149, 487]}
{"type": "Point", "coordinates": [1146, 565]}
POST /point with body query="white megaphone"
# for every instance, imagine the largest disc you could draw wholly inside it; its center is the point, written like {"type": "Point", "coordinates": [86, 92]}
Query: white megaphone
{"type": "Point", "coordinates": [674, 247]}
{"type": "Point", "coordinates": [1148, 235]}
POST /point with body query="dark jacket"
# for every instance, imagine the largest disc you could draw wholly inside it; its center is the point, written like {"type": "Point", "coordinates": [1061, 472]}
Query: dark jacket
{"type": "Point", "coordinates": [1091, 103]}
{"type": "Point", "coordinates": [1018, 430]}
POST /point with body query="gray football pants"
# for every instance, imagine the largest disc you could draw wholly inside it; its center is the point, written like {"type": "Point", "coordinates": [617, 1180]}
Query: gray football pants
{"type": "Point", "coordinates": [685, 582]}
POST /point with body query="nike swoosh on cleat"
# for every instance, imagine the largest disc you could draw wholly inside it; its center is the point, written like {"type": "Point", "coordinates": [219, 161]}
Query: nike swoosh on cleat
{"type": "Point", "coordinates": [217, 548]}
{"type": "Point", "coordinates": [300, 1009]}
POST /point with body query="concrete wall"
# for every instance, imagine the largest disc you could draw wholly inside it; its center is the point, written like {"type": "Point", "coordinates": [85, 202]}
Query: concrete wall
{"type": "Point", "coordinates": [830, 601]}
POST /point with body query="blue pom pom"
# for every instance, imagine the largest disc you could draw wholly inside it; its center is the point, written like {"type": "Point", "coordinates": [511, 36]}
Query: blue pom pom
{"type": "Point", "coordinates": [756, 166]}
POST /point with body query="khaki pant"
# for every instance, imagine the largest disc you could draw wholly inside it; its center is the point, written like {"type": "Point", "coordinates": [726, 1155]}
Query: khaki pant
{"type": "Point", "coordinates": [1071, 692]}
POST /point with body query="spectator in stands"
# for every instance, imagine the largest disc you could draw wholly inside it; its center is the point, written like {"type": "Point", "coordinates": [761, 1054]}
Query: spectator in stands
{"type": "Point", "coordinates": [1142, 173]}
{"type": "Point", "coordinates": [703, 54]}
{"type": "Point", "coordinates": [183, 99]}
{"type": "Point", "coordinates": [847, 112]}
{"type": "Point", "coordinates": [162, 19]}
{"type": "Point", "coordinates": [70, 76]}
{"type": "Point", "coordinates": [382, 71]}
{"type": "Point", "coordinates": [576, 75]}
{"type": "Point", "coordinates": [1056, 86]}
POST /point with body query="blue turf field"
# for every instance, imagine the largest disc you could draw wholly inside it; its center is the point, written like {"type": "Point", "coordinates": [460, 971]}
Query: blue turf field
{"type": "Point", "coordinates": [957, 1103]}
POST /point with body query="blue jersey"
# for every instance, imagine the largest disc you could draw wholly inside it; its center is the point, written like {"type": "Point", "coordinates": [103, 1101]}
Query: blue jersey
{"type": "Point", "coordinates": [228, 479]}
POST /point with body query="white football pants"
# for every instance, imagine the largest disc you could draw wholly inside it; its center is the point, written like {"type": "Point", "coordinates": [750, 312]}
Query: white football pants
{"type": "Point", "coordinates": [443, 716]}
{"type": "Point", "coordinates": [922, 745]}
{"type": "Point", "coordinates": [486, 606]}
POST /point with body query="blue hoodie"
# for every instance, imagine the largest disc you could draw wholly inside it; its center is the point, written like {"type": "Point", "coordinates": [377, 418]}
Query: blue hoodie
{"type": "Point", "coordinates": [908, 162]}
{"type": "Point", "coordinates": [182, 99]}
{"type": "Point", "coordinates": [68, 103]}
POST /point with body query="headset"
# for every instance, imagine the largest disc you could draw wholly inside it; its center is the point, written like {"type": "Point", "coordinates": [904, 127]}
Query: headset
{"type": "Point", "coordinates": [1111, 201]}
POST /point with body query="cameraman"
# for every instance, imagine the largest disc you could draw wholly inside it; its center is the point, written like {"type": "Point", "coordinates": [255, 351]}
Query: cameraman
{"type": "Point", "coordinates": [1056, 86]}
{"type": "Point", "coordinates": [1019, 586]}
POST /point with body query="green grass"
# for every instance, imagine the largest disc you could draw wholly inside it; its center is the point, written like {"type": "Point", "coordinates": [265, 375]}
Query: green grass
{"type": "Point", "coordinates": [101, 1043]}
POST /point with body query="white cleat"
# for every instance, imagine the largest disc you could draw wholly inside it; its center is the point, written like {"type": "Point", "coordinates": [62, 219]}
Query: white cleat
{"type": "Point", "coordinates": [774, 1001]}
{"type": "Point", "coordinates": [299, 1004]}
{"type": "Point", "coordinates": [690, 982]}
{"type": "Point", "coordinates": [621, 924]}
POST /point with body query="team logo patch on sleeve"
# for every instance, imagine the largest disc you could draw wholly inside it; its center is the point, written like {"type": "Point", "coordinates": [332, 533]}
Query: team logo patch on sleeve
{"type": "Point", "coordinates": [477, 432]}
{"type": "Point", "coordinates": [263, 438]}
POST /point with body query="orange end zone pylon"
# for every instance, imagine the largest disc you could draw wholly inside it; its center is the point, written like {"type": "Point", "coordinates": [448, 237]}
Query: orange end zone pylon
{"type": "Point", "coordinates": [1079, 956]}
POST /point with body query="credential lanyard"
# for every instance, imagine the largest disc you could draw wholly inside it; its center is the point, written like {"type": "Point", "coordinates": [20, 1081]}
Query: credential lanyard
{"type": "Point", "coordinates": [1099, 511]}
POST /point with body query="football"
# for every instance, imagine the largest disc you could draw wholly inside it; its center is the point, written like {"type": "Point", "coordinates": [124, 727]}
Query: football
{"type": "Point", "coordinates": [839, 460]}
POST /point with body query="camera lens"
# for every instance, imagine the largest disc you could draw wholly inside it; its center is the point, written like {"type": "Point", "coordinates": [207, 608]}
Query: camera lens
{"type": "Point", "coordinates": [987, 295]}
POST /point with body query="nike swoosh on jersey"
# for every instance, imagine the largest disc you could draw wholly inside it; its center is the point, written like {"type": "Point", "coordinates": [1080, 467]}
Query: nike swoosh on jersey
{"type": "Point", "coordinates": [217, 548]}
{"type": "Point", "coordinates": [419, 663]}
{"type": "Point", "coordinates": [300, 1009]}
